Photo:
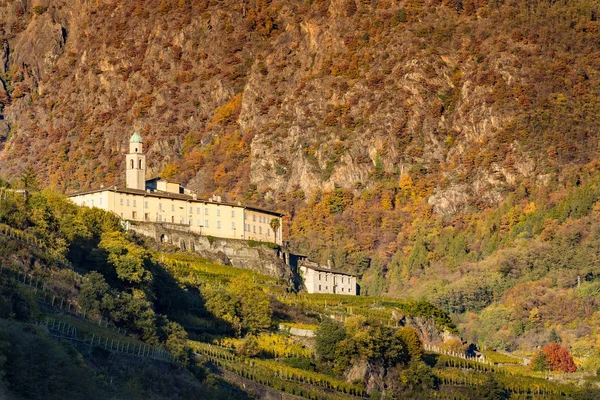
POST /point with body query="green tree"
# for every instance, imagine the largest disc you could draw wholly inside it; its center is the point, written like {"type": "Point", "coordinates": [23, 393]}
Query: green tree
{"type": "Point", "coordinates": [127, 258]}
{"type": "Point", "coordinates": [413, 343]}
{"type": "Point", "coordinates": [29, 179]}
{"type": "Point", "coordinates": [538, 362]}
{"type": "Point", "coordinates": [95, 294]}
{"type": "Point", "coordinates": [328, 336]}
{"type": "Point", "coordinates": [416, 377]}
{"type": "Point", "coordinates": [176, 342]}
{"type": "Point", "coordinates": [253, 304]}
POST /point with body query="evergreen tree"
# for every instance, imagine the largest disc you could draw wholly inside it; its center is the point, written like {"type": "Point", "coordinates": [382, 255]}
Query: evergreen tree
{"type": "Point", "coordinates": [554, 337]}
{"type": "Point", "coordinates": [29, 179]}
{"type": "Point", "coordinates": [538, 362]}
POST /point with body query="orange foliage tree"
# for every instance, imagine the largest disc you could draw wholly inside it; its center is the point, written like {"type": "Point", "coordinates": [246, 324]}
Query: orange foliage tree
{"type": "Point", "coordinates": [558, 358]}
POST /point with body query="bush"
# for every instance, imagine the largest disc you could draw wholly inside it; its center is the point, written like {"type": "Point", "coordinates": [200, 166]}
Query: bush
{"type": "Point", "coordinates": [248, 347]}
{"type": "Point", "coordinates": [299, 362]}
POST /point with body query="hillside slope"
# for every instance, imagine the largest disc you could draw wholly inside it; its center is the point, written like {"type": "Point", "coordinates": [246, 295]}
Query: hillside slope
{"type": "Point", "coordinates": [427, 146]}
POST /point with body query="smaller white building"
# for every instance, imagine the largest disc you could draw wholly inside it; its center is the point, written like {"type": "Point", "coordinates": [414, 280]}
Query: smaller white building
{"type": "Point", "coordinates": [320, 279]}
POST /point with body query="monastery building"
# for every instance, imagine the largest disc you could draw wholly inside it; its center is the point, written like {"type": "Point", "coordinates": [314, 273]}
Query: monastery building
{"type": "Point", "coordinates": [157, 200]}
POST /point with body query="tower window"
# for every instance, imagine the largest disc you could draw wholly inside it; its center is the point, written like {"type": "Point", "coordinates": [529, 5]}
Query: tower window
{"type": "Point", "coordinates": [136, 149]}
{"type": "Point", "coordinates": [132, 164]}
{"type": "Point", "coordinates": [140, 164]}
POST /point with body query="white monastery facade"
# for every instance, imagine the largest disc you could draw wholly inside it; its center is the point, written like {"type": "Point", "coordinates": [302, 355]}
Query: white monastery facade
{"type": "Point", "coordinates": [157, 200]}
{"type": "Point", "coordinates": [319, 279]}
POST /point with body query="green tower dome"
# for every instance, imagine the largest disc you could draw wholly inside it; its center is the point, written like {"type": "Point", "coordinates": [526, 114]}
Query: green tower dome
{"type": "Point", "coordinates": [135, 138]}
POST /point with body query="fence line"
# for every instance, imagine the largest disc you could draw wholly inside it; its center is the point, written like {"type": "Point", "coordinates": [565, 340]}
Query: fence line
{"type": "Point", "coordinates": [57, 303]}
{"type": "Point", "coordinates": [436, 349]}
{"type": "Point", "coordinates": [63, 330]}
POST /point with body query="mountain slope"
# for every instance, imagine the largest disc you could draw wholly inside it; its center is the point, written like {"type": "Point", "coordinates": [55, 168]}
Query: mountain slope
{"type": "Point", "coordinates": [419, 144]}
{"type": "Point", "coordinates": [304, 95]}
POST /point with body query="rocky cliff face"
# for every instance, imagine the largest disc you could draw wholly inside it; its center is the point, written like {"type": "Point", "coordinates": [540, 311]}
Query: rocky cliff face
{"type": "Point", "coordinates": [271, 100]}
{"type": "Point", "coordinates": [319, 94]}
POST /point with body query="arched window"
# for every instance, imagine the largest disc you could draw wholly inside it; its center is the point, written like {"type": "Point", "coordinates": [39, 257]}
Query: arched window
{"type": "Point", "coordinates": [132, 164]}
{"type": "Point", "coordinates": [140, 164]}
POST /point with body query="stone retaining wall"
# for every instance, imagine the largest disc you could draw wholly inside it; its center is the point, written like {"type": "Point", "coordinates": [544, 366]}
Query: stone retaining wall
{"type": "Point", "coordinates": [238, 253]}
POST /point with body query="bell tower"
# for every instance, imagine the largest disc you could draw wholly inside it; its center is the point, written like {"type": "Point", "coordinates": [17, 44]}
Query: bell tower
{"type": "Point", "coordinates": [136, 164]}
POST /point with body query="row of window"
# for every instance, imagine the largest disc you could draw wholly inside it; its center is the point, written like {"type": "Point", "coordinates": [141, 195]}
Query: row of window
{"type": "Point", "coordinates": [342, 289]}
{"type": "Point", "coordinates": [206, 212]}
{"type": "Point", "coordinates": [261, 219]}
{"type": "Point", "coordinates": [133, 165]}
{"type": "Point", "coordinates": [83, 203]}
{"type": "Point", "coordinates": [247, 228]}
{"type": "Point", "coordinates": [326, 278]}
{"type": "Point", "coordinates": [160, 207]}
{"type": "Point", "coordinates": [128, 204]}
